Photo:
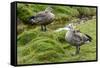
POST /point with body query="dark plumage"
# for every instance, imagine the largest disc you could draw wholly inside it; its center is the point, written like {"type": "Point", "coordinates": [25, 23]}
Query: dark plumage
{"type": "Point", "coordinates": [43, 18]}
{"type": "Point", "coordinates": [90, 39]}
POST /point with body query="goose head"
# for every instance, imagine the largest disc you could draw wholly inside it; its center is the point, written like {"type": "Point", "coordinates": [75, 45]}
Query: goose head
{"type": "Point", "coordinates": [49, 9]}
{"type": "Point", "coordinates": [70, 27]}
{"type": "Point", "coordinates": [31, 20]}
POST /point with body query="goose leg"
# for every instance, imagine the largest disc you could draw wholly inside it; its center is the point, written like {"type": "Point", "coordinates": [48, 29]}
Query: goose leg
{"type": "Point", "coordinates": [42, 27]}
{"type": "Point", "coordinates": [77, 50]}
{"type": "Point", "coordinates": [45, 28]}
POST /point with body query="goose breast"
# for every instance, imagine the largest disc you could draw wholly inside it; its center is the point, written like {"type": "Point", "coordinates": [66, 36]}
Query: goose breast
{"type": "Point", "coordinates": [74, 38]}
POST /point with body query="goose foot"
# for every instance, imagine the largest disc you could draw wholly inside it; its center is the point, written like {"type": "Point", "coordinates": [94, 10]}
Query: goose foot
{"type": "Point", "coordinates": [74, 54]}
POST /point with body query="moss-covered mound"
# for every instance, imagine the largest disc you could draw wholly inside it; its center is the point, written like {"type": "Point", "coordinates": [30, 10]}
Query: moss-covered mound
{"type": "Point", "coordinates": [35, 46]}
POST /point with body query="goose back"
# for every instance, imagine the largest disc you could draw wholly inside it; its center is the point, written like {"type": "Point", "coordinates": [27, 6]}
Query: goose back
{"type": "Point", "coordinates": [76, 38]}
{"type": "Point", "coordinates": [44, 18]}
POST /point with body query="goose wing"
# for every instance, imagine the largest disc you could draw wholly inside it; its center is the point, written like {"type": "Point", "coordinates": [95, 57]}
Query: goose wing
{"type": "Point", "coordinates": [78, 38]}
{"type": "Point", "coordinates": [41, 14]}
{"type": "Point", "coordinates": [40, 17]}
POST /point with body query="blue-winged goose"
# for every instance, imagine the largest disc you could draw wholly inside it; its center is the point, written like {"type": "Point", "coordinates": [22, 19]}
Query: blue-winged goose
{"type": "Point", "coordinates": [43, 18]}
{"type": "Point", "coordinates": [76, 38]}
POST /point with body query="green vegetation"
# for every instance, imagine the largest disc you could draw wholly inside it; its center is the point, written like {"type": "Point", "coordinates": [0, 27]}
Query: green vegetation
{"type": "Point", "coordinates": [35, 46]}
{"type": "Point", "coordinates": [24, 11]}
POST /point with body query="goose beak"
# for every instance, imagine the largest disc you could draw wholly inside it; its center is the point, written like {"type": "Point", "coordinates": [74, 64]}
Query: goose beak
{"type": "Point", "coordinates": [67, 28]}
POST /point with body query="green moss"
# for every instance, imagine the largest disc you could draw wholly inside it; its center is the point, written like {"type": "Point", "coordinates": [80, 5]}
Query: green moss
{"type": "Point", "coordinates": [35, 46]}
{"type": "Point", "coordinates": [24, 11]}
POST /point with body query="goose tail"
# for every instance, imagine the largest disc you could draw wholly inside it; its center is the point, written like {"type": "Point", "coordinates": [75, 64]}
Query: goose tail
{"type": "Point", "coordinates": [89, 38]}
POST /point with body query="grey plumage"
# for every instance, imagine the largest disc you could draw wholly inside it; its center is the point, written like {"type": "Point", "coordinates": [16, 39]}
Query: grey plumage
{"type": "Point", "coordinates": [43, 18]}
{"type": "Point", "coordinates": [76, 38]}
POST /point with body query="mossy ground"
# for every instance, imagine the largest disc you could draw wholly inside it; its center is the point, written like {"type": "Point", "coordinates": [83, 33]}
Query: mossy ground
{"type": "Point", "coordinates": [35, 46]}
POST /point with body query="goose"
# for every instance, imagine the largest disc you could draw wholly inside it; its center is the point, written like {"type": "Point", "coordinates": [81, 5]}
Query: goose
{"type": "Point", "coordinates": [43, 18]}
{"type": "Point", "coordinates": [76, 38]}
